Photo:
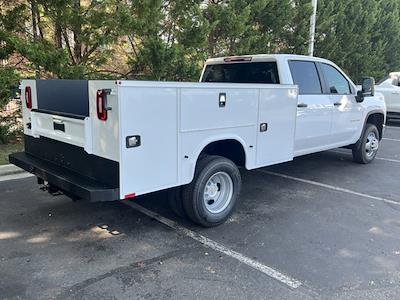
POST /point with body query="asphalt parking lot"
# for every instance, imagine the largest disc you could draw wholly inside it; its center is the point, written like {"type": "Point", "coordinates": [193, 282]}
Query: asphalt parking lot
{"type": "Point", "coordinates": [320, 227]}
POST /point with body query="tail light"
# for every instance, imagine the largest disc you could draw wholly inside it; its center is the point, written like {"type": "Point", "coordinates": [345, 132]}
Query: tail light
{"type": "Point", "coordinates": [101, 102]}
{"type": "Point", "coordinates": [28, 97]}
{"type": "Point", "coordinates": [238, 59]}
{"type": "Point", "coordinates": [132, 195]}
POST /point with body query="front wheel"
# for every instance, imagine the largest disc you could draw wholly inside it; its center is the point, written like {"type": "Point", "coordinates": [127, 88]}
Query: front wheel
{"type": "Point", "coordinates": [212, 196]}
{"type": "Point", "coordinates": [366, 148]}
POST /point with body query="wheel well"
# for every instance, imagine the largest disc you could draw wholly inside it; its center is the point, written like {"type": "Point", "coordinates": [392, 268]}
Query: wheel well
{"type": "Point", "coordinates": [230, 149]}
{"type": "Point", "coordinates": [377, 119]}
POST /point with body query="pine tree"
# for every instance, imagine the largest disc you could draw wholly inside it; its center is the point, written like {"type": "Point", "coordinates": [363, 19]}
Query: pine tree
{"type": "Point", "coordinates": [298, 29]}
{"type": "Point", "coordinates": [387, 33]}
{"type": "Point", "coordinates": [230, 27]}
{"type": "Point", "coordinates": [347, 34]}
{"type": "Point", "coordinates": [272, 19]}
{"type": "Point", "coordinates": [166, 39]}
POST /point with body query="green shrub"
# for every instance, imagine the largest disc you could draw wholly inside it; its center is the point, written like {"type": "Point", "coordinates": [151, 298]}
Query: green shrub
{"type": "Point", "coordinates": [5, 133]}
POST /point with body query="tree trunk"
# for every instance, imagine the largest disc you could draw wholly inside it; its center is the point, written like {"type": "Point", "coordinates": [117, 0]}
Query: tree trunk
{"type": "Point", "coordinates": [77, 29]}
{"type": "Point", "coordinates": [34, 20]}
{"type": "Point", "coordinates": [35, 31]}
{"type": "Point", "coordinates": [57, 34]}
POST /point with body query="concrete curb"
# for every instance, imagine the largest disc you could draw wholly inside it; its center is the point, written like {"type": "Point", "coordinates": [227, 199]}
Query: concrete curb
{"type": "Point", "coordinates": [10, 169]}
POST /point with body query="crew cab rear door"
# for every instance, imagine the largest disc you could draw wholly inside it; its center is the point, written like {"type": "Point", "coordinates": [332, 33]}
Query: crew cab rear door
{"type": "Point", "coordinates": [314, 108]}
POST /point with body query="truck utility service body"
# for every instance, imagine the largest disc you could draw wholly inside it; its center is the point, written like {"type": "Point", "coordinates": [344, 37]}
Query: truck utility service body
{"type": "Point", "coordinates": [109, 140]}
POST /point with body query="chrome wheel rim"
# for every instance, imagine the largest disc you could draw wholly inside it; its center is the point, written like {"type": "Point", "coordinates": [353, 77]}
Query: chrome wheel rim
{"type": "Point", "coordinates": [371, 145]}
{"type": "Point", "coordinates": [218, 192]}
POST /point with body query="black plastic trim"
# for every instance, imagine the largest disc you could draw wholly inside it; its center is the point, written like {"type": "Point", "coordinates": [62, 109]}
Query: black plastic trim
{"type": "Point", "coordinates": [372, 112]}
{"type": "Point", "coordinates": [393, 115]}
{"type": "Point", "coordinates": [322, 78]}
{"type": "Point", "coordinates": [60, 127]}
{"type": "Point", "coordinates": [75, 159]}
{"type": "Point", "coordinates": [64, 96]}
{"type": "Point", "coordinates": [56, 113]}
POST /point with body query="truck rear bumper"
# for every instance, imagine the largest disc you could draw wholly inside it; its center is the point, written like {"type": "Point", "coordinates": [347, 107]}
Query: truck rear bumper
{"type": "Point", "coordinates": [67, 181]}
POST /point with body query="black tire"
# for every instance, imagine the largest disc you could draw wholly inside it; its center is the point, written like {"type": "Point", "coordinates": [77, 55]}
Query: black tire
{"type": "Point", "coordinates": [360, 153]}
{"type": "Point", "coordinates": [175, 201]}
{"type": "Point", "coordinates": [193, 194]}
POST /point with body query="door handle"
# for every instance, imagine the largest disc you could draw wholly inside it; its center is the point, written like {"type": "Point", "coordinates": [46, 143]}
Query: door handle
{"type": "Point", "coordinates": [222, 99]}
{"type": "Point", "coordinates": [337, 103]}
{"type": "Point", "coordinates": [302, 105]}
{"type": "Point", "coordinates": [59, 126]}
{"type": "Point", "coordinates": [263, 127]}
{"type": "Point", "coordinates": [106, 92]}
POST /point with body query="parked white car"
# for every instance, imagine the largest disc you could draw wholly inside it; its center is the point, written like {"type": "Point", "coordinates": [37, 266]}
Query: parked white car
{"type": "Point", "coordinates": [390, 88]}
{"type": "Point", "coordinates": [111, 140]}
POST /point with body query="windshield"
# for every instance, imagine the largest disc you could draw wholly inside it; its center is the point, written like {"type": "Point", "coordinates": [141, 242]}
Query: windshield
{"type": "Point", "coordinates": [382, 80]}
{"type": "Point", "coordinates": [256, 72]}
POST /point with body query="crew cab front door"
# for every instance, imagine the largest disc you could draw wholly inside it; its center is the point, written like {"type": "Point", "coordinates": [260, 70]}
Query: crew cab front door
{"type": "Point", "coordinates": [347, 113]}
{"type": "Point", "coordinates": [314, 109]}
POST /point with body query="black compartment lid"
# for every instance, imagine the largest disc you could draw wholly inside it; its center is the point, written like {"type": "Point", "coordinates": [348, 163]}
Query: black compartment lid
{"type": "Point", "coordinates": [63, 96]}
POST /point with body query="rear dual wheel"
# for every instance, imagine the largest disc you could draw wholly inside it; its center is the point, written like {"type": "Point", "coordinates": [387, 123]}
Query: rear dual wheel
{"type": "Point", "coordinates": [211, 197]}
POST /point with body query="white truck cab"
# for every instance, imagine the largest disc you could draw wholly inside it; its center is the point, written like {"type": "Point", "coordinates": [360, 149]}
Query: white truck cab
{"type": "Point", "coordinates": [111, 140]}
{"type": "Point", "coordinates": [328, 114]}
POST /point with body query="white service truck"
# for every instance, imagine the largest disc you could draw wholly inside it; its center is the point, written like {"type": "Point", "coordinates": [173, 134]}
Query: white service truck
{"type": "Point", "coordinates": [111, 140]}
{"type": "Point", "coordinates": [390, 88]}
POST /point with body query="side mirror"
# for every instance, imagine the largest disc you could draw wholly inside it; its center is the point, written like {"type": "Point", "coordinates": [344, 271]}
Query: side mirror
{"type": "Point", "coordinates": [367, 89]}
{"type": "Point", "coordinates": [368, 86]}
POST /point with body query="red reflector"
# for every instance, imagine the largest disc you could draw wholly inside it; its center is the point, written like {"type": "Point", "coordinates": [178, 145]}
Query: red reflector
{"type": "Point", "coordinates": [237, 58]}
{"type": "Point", "coordinates": [129, 196]}
{"type": "Point", "coordinates": [100, 102]}
{"type": "Point", "coordinates": [28, 97]}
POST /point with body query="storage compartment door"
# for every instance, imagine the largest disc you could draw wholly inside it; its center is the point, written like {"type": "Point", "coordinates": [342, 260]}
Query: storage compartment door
{"type": "Point", "coordinates": [276, 125]}
{"type": "Point", "coordinates": [63, 96]}
{"type": "Point", "coordinates": [148, 135]}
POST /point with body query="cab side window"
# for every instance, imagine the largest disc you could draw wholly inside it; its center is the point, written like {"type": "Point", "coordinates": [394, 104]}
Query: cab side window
{"type": "Point", "coordinates": [396, 82]}
{"type": "Point", "coordinates": [255, 72]}
{"type": "Point", "coordinates": [337, 83]}
{"type": "Point", "coordinates": [305, 75]}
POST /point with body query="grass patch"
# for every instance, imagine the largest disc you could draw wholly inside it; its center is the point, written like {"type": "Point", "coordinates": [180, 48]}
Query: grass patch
{"type": "Point", "coordinates": [6, 149]}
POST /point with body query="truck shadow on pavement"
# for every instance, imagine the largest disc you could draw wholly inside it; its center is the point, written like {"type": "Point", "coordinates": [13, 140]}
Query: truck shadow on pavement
{"type": "Point", "coordinates": [52, 246]}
